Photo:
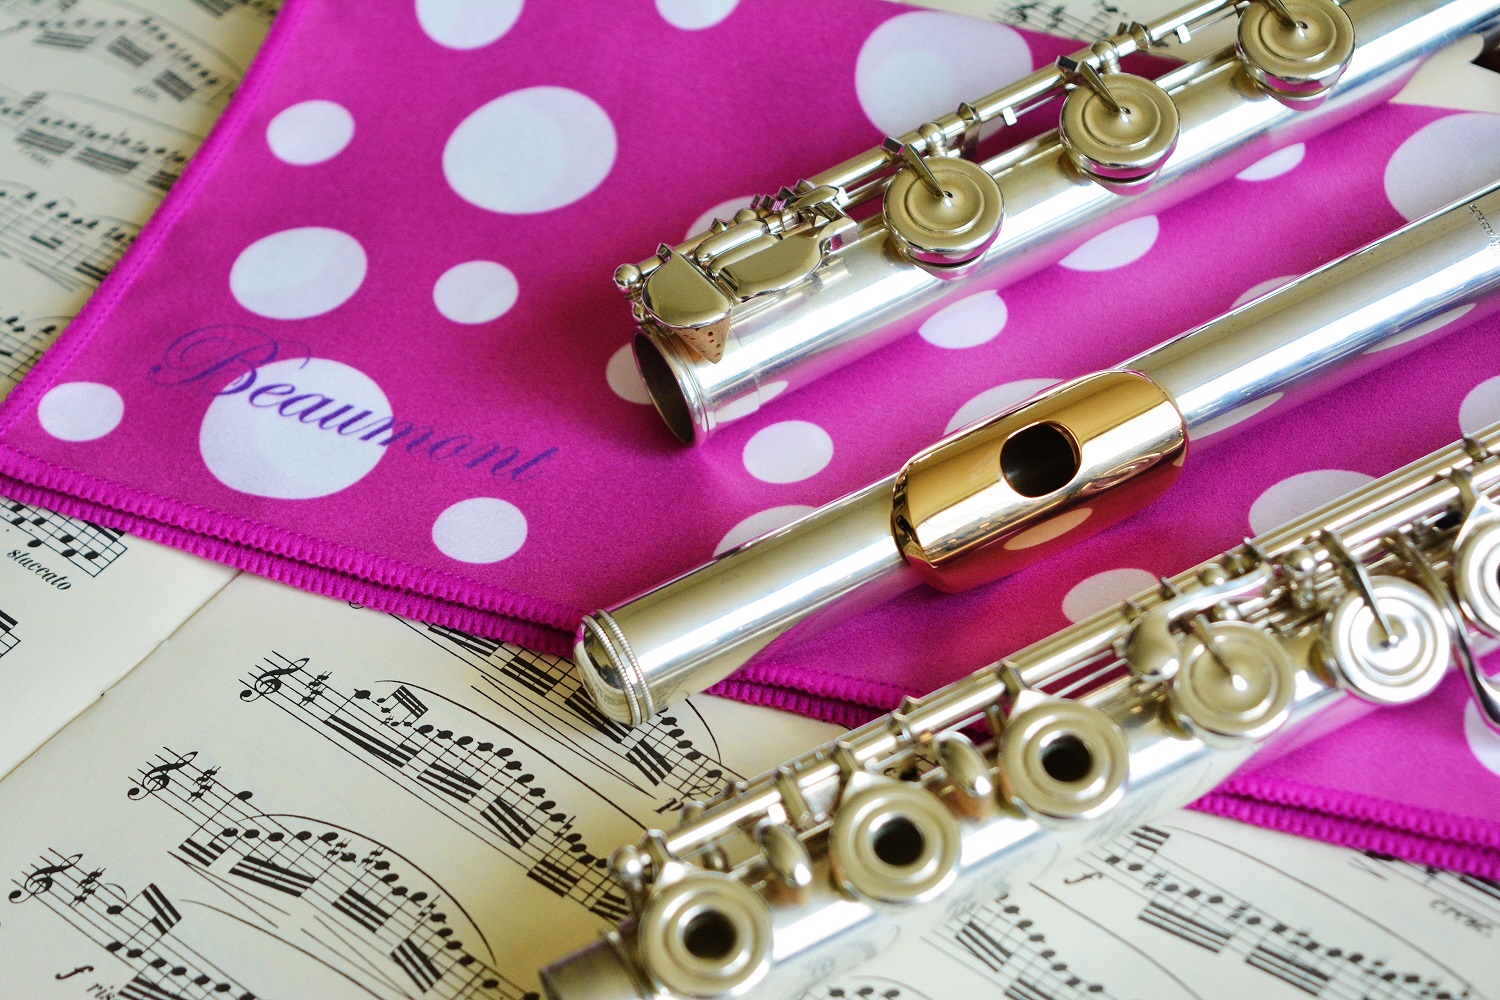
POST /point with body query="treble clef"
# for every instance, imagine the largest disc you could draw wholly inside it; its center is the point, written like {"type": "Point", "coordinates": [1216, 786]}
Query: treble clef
{"type": "Point", "coordinates": [160, 776]}
{"type": "Point", "coordinates": [40, 879]}
{"type": "Point", "coordinates": [268, 681]}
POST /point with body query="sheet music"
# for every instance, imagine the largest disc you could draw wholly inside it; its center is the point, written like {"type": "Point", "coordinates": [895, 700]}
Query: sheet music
{"type": "Point", "coordinates": [101, 104]}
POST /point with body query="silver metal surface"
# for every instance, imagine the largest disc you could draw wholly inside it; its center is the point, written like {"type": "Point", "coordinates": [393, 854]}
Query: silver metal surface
{"type": "Point", "coordinates": [854, 291]}
{"type": "Point", "coordinates": [1357, 313]}
{"type": "Point", "coordinates": [1384, 553]}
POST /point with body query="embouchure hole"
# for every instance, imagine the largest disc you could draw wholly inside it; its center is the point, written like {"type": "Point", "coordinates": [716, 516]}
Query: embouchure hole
{"type": "Point", "coordinates": [709, 935]}
{"type": "Point", "coordinates": [1067, 759]}
{"type": "Point", "coordinates": [898, 842]}
{"type": "Point", "coordinates": [1038, 460]}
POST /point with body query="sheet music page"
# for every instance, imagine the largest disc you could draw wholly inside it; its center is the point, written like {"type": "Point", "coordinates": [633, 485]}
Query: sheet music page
{"type": "Point", "coordinates": [101, 104]}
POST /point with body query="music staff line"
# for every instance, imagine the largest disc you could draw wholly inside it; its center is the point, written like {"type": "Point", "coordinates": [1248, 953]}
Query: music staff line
{"type": "Point", "coordinates": [69, 249]}
{"type": "Point", "coordinates": [22, 342]}
{"type": "Point", "coordinates": [85, 545]}
{"type": "Point", "coordinates": [8, 638]}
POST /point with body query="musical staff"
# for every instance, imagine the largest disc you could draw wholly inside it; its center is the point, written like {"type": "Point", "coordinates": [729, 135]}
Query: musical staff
{"type": "Point", "coordinates": [8, 638]}
{"type": "Point", "coordinates": [865, 988]}
{"type": "Point", "coordinates": [263, 9]}
{"type": "Point", "coordinates": [140, 930]}
{"type": "Point", "coordinates": [87, 546]}
{"type": "Point", "coordinates": [1091, 19]}
{"type": "Point", "coordinates": [660, 755]}
{"type": "Point", "coordinates": [22, 342]}
{"type": "Point", "coordinates": [67, 248]}
{"type": "Point", "coordinates": [354, 904]}
{"type": "Point", "coordinates": [482, 783]}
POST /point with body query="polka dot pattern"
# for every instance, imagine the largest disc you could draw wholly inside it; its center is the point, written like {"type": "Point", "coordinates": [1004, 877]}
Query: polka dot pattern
{"type": "Point", "coordinates": [624, 377]}
{"type": "Point", "coordinates": [310, 132]}
{"type": "Point", "coordinates": [475, 292]}
{"type": "Point", "coordinates": [695, 15]}
{"type": "Point", "coordinates": [80, 411]}
{"type": "Point", "coordinates": [480, 530]}
{"type": "Point", "coordinates": [1114, 248]}
{"type": "Point", "coordinates": [1104, 590]}
{"type": "Point", "coordinates": [971, 321]}
{"type": "Point", "coordinates": [996, 399]}
{"type": "Point", "coordinates": [467, 24]}
{"type": "Point", "coordinates": [1481, 407]}
{"type": "Point", "coordinates": [788, 452]}
{"type": "Point", "coordinates": [298, 273]}
{"type": "Point", "coordinates": [1443, 161]}
{"type": "Point", "coordinates": [761, 523]}
{"type": "Point", "coordinates": [1275, 164]}
{"type": "Point", "coordinates": [1301, 494]}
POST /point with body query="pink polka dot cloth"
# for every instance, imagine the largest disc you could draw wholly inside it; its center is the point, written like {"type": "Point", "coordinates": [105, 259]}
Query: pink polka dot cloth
{"type": "Point", "coordinates": [370, 346]}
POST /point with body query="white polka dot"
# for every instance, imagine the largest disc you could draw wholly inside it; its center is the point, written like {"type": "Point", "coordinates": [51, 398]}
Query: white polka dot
{"type": "Point", "coordinates": [298, 273]}
{"type": "Point", "coordinates": [80, 411]}
{"type": "Point", "coordinates": [481, 530]}
{"type": "Point", "coordinates": [1481, 407]}
{"type": "Point", "coordinates": [1124, 244]}
{"type": "Point", "coordinates": [788, 452]}
{"type": "Point", "coordinates": [1238, 415]}
{"type": "Point", "coordinates": [746, 405]}
{"type": "Point", "coordinates": [532, 150]}
{"type": "Point", "coordinates": [1104, 590]}
{"type": "Point", "coordinates": [723, 210]}
{"type": "Point", "coordinates": [624, 377]}
{"type": "Point", "coordinates": [466, 24]}
{"type": "Point", "coordinates": [280, 435]}
{"type": "Point", "coordinates": [1274, 165]}
{"type": "Point", "coordinates": [693, 15]}
{"type": "Point", "coordinates": [310, 132]}
{"type": "Point", "coordinates": [919, 66]}
{"type": "Point", "coordinates": [994, 400]}
{"type": "Point", "coordinates": [1423, 329]}
{"type": "Point", "coordinates": [1443, 161]}
{"type": "Point", "coordinates": [1053, 527]}
{"type": "Point", "coordinates": [1483, 742]}
{"type": "Point", "coordinates": [475, 292]}
{"type": "Point", "coordinates": [1256, 291]}
{"type": "Point", "coordinates": [1301, 494]}
{"type": "Point", "coordinates": [971, 321]}
{"type": "Point", "coordinates": [761, 523]}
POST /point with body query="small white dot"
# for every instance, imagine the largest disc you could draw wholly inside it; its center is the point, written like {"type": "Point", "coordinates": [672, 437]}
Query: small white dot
{"type": "Point", "coordinates": [973, 320]}
{"type": "Point", "coordinates": [624, 377]}
{"type": "Point", "coordinates": [1124, 244]}
{"type": "Point", "coordinates": [480, 530]}
{"type": "Point", "coordinates": [917, 66]}
{"type": "Point", "coordinates": [694, 15]}
{"type": "Point", "coordinates": [1481, 407]}
{"type": "Point", "coordinates": [760, 523]}
{"type": "Point", "coordinates": [298, 273]}
{"type": "Point", "coordinates": [1274, 165]}
{"type": "Point", "coordinates": [310, 132]}
{"type": "Point", "coordinates": [1423, 329]}
{"type": "Point", "coordinates": [80, 411]}
{"type": "Point", "coordinates": [1483, 742]}
{"type": "Point", "coordinates": [1301, 494]}
{"type": "Point", "coordinates": [1256, 291]}
{"type": "Point", "coordinates": [467, 24]}
{"type": "Point", "coordinates": [788, 452]}
{"type": "Point", "coordinates": [723, 210]}
{"type": "Point", "coordinates": [1238, 415]}
{"type": "Point", "coordinates": [475, 292]}
{"type": "Point", "coordinates": [746, 405]}
{"type": "Point", "coordinates": [1443, 161]}
{"type": "Point", "coordinates": [999, 398]}
{"type": "Point", "coordinates": [1104, 590]}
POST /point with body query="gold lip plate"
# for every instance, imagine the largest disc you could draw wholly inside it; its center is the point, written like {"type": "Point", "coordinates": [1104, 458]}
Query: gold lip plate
{"type": "Point", "coordinates": [1045, 474]}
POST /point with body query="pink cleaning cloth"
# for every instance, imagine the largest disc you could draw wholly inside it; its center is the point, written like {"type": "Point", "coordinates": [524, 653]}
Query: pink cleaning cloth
{"type": "Point", "coordinates": [370, 346]}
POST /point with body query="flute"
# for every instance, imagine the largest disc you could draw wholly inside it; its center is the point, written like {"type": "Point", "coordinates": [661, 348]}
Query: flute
{"type": "Point", "coordinates": [784, 880]}
{"type": "Point", "coordinates": [1063, 465]}
{"type": "Point", "coordinates": [794, 288]}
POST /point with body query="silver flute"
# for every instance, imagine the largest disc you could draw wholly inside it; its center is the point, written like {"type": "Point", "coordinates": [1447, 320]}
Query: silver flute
{"type": "Point", "coordinates": [1017, 486]}
{"type": "Point", "coordinates": [794, 287]}
{"type": "Point", "coordinates": [786, 879]}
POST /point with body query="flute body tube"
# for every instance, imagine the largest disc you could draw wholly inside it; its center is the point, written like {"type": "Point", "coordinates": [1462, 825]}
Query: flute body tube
{"type": "Point", "coordinates": [793, 288]}
{"type": "Point", "coordinates": [791, 877]}
{"type": "Point", "coordinates": [1067, 463]}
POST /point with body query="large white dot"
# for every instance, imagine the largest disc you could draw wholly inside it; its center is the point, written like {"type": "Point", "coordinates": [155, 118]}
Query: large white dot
{"type": "Point", "coordinates": [1443, 161]}
{"type": "Point", "coordinates": [624, 377]}
{"type": "Point", "coordinates": [475, 292]}
{"type": "Point", "coordinates": [746, 405]}
{"type": "Point", "coordinates": [918, 66]}
{"type": "Point", "coordinates": [80, 411]}
{"type": "Point", "coordinates": [480, 530]}
{"type": "Point", "coordinates": [1274, 165]}
{"type": "Point", "coordinates": [466, 24]}
{"type": "Point", "coordinates": [1124, 244]}
{"type": "Point", "coordinates": [723, 210]}
{"type": "Point", "coordinates": [1104, 590]}
{"type": "Point", "coordinates": [273, 444]}
{"type": "Point", "coordinates": [1481, 407]}
{"type": "Point", "coordinates": [298, 273]}
{"type": "Point", "coordinates": [760, 523]}
{"type": "Point", "coordinates": [994, 400]}
{"type": "Point", "coordinates": [788, 452]}
{"type": "Point", "coordinates": [1482, 740]}
{"type": "Point", "coordinates": [1424, 328]}
{"type": "Point", "coordinates": [1257, 290]}
{"type": "Point", "coordinates": [972, 320]}
{"type": "Point", "coordinates": [532, 150]}
{"type": "Point", "coordinates": [310, 132]}
{"type": "Point", "coordinates": [693, 15]}
{"type": "Point", "coordinates": [1300, 494]}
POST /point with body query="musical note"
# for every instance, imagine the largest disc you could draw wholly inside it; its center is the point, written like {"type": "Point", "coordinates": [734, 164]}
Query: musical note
{"type": "Point", "coordinates": [71, 250]}
{"type": "Point", "coordinates": [1089, 19]}
{"type": "Point", "coordinates": [865, 988]}
{"type": "Point", "coordinates": [157, 777]}
{"type": "Point", "coordinates": [268, 681]}
{"type": "Point", "coordinates": [23, 340]}
{"type": "Point", "coordinates": [8, 638]}
{"type": "Point", "coordinates": [1001, 942]}
{"type": "Point", "coordinates": [42, 878]}
{"type": "Point", "coordinates": [86, 545]}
